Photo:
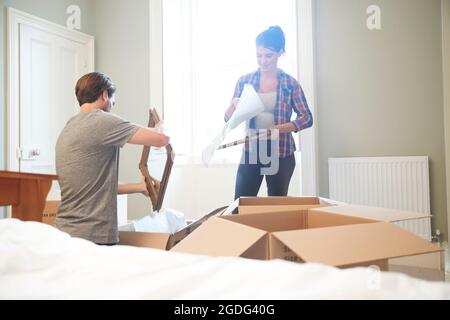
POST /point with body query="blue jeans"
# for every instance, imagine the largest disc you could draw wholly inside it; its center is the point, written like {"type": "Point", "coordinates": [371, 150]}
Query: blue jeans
{"type": "Point", "coordinates": [249, 178]}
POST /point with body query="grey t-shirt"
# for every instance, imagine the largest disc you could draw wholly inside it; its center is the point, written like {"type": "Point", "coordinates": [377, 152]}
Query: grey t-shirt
{"type": "Point", "coordinates": [87, 162]}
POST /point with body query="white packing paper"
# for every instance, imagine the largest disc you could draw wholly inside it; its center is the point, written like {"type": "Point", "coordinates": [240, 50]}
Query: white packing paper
{"type": "Point", "coordinates": [249, 106]}
{"type": "Point", "coordinates": [165, 221]}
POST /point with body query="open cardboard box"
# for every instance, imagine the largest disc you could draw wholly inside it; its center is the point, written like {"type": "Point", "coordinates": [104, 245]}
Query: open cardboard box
{"type": "Point", "coordinates": [324, 235]}
{"type": "Point", "coordinates": [128, 236]}
{"type": "Point", "coordinates": [251, 205]}
{"type": "Point", "coordinates": [164, 241]}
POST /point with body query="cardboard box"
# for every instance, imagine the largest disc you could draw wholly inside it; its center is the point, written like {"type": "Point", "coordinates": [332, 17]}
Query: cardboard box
{"type": "Point", "coordinates": [424, 266]}
{"type": "Point", "coordinates": [128, 236]}
{"type": "Point", "coordinates": [51, 208]}
{"type": "Point", "coordinates": [306, 235]}
{"type": "Point", "coordinates": [251, 205]}
{"type": "Point", "coordinates": [49, 213]}
{"type": "Point", "coordinates": [164, 241]}
{"type": "Point", "coordinates": [380, 214]}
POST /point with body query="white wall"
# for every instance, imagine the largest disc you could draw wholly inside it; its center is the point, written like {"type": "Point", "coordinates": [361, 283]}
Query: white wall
{"type": "Point", "coordinates": [380, 93]}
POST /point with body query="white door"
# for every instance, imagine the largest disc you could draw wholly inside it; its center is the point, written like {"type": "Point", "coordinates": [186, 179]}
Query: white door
{"type": "Point", "coordinates": [50, 65]}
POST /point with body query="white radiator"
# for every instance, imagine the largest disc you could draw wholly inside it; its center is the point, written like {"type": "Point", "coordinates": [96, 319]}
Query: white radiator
{"type": "Point", "coordinates": [393, 182]}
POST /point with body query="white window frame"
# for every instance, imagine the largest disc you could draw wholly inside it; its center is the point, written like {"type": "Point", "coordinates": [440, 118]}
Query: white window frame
{"type": "Point", "coordinates": [306, 65]}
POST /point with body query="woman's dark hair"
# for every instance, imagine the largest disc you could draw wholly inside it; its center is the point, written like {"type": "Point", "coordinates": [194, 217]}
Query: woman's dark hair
{"type": "Point", "coordinates": [273, 39]}
{"type": "Point", "coordinates": [91, 86]}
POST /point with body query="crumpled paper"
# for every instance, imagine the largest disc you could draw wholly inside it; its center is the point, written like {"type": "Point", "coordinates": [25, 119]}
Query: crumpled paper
{"type": "Point", "coordinates": [164, 221]}
{"type": "Point", "coordinates": [249, 106]}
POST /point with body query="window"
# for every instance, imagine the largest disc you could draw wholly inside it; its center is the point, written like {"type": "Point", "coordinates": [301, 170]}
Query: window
{"type": "Point", "coordinates": [207, 46]}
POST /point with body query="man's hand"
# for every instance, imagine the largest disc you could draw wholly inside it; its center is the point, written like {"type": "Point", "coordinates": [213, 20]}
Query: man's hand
{"type": "Point", "coordinates": [143, 187]}
{"type": "Point", "coordinates": [157, 186]}
{"type": "Point", "coordinates": [150, 137]}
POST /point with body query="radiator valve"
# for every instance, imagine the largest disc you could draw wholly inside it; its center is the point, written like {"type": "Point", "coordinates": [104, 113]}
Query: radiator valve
{"type": "Point", "coordinates": [437, 237]}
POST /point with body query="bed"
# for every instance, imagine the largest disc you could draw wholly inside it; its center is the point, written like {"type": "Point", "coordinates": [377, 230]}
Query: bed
{"type": "Point", "coordinates": [38, 261]}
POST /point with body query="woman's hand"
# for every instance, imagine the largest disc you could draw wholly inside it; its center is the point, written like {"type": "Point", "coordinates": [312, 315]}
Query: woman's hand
{"type": "Point", "coordinates": [284, 128]}
{"type": "Point", "coordinates": [231, 109]}
{"type": "Point", "coordinates": [235, 102]}
{"type": "Point", "coordinates": [274, 132]}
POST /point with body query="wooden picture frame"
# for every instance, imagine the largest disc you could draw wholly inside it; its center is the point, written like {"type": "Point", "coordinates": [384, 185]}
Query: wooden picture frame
{"type": "Point", "coordinates": [156, 189]}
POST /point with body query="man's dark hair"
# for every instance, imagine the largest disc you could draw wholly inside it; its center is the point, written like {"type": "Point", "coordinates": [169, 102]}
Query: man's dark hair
{"type": "Point", "coordinates": [273, 39]}
{"type": "Point", "coordinates": [91, 86]}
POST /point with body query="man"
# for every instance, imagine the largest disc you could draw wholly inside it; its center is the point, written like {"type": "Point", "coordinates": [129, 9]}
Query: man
{"type": "Point", "coordinates": [87, 162]}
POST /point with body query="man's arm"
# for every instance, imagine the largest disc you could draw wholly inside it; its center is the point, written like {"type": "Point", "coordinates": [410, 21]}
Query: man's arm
{"type": "Point", "coordinates": [130, 188]}
{"type": "Point", "coordinates": [149, 137]}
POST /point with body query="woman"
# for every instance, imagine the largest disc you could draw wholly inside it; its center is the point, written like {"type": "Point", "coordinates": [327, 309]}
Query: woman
{"type": "Point", "coordinates": [281, 94]}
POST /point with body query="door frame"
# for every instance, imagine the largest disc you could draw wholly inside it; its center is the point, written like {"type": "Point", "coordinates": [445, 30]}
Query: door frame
{"type": "Point", "coordinates": [308, 78]}
{"type": "Point", "coordinates": [15, 18]}
{"type": "Point", "coordinates": [445, 9]}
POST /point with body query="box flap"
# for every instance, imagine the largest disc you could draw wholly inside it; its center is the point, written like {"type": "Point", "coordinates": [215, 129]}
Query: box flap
{"type": "Point", "coordinates": [274, 201]}
{"type": "Point", "coordinates": [329, 202]}
{"type": "Point", "coordinates": [278, 208]}
{"type": "Point", "coordinates": [347, 245]}
{"type": "Point", "coordinates": [259, 250]}
{"type": "Point", "coordinates": [184, 232]}
{"type": "Point", "coordinates": [326, 219]}
{"type": "Point", "coordinates": [232, 208]}
{"type": "Point", "coordinates": [278, 250]}
{"type": "Point", "coordinates": [381, 214]}
{"type": "Point", "coordinates": [270, 222]}
{"type": "Point", "coordinates": [144, 239]}
{"type": "Point", "coordinates": [220, 237]}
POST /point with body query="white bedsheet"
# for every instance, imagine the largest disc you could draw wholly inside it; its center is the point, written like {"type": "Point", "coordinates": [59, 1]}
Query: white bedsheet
{"type": "Point", "coordinates": [40, 262]}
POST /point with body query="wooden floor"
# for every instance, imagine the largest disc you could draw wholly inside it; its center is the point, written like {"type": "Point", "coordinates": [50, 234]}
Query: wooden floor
{"type": "Point", "coordinates": [420, 273]}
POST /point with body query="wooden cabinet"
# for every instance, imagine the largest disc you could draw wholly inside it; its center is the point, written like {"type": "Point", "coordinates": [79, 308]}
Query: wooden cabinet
{"type": "Point", "coordinates": [26, 193]}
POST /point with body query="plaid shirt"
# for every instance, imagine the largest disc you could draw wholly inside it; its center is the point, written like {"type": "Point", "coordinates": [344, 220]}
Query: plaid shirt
{"type": "Point", "coordinates": [290, 97]}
